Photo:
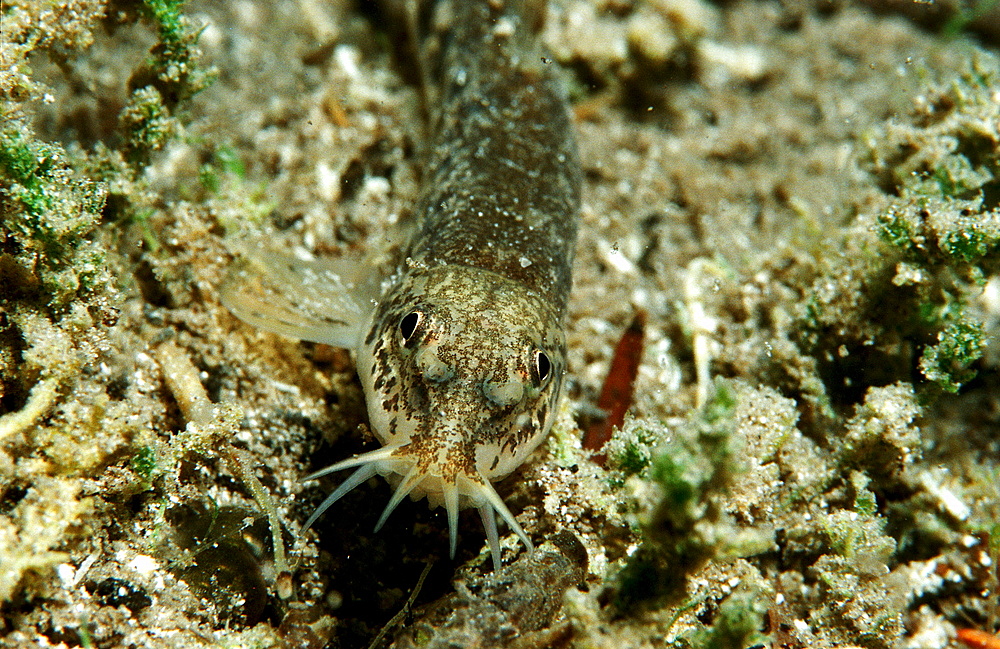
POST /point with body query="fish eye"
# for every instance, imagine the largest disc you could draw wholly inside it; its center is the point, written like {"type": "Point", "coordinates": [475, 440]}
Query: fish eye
{"type": "Point", "coordinates": [543, 366]}
{"type": "Point", "coordinates": [408, 324]}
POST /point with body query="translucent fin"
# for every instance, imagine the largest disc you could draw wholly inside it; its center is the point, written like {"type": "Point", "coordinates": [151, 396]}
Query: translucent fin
{"type": "Point", "coordinates": [321, 301]}
{"type": "Point", "coordinates": [494, 499]}
{"type": "Point", "coordinates": [412, 479]}
{"type": "Point", "coordinates": [450, 491]}
{"type": "Point", "coordinates": [361, 458]}
{"type": "Point", "coordinates": [490, 523]}
{"type": "Point", "coordinates": [353, 481]}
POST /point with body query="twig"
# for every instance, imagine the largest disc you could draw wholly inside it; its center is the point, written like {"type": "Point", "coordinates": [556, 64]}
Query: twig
{"type": "Point", "coordinates": [403, 612]}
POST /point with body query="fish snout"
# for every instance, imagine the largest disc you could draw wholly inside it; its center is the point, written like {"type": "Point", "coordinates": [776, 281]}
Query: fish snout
{"type": "Point", "coordinates": [503, 393]}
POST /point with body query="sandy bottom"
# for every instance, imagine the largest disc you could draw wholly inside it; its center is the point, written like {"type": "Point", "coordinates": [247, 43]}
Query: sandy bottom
{"type": "Point", "coordinates": [784, 190]}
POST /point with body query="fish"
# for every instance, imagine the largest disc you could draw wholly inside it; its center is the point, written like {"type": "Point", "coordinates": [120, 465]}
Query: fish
{"type": "Point", "coordinates": [460, 346]}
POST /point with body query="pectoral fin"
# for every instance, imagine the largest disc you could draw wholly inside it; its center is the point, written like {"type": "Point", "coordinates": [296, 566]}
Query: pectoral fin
{"type": "Point", "coordinates": [320, 301]}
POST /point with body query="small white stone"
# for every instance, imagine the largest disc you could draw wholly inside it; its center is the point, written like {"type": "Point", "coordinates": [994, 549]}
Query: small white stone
{"type": "Point", "coordinates": [347, 58]}
{"type": "Point", "coordinates": [143, 564]}
{"type": "Point", "coordinates": [327, 182]}
{"type": "Point", "coordinates": [65, 573]}
{"type": "Point", "coordinates": [619, 261]}
{"type": "Point", "coordinates": [504, 27]}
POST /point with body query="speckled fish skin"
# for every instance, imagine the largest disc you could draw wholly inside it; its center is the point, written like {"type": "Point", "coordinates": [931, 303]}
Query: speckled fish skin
{"type": "Point", "coordinates": [487, 273]}
{"type": "Point", "coordinates": [503, 182]}
{"type": "Point", "coordinates": [462, 350]}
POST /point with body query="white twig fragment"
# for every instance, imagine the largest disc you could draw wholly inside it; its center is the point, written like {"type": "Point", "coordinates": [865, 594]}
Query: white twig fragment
{"type": "Point", "coordinates": [950, 503]}
{"type": "Point", "coordinates": [702, 326]}
{"type": "Point", "coordinates": [42, 397]}
{"type": "Point", "coordinates": [182, 378]}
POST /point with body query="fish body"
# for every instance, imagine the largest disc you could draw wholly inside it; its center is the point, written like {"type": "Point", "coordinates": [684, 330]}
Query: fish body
{"type": "Point", "coordinates": [461, 349]}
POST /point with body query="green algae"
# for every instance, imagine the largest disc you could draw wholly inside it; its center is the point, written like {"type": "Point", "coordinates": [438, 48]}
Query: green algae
{"type": "Point", "coordinates": [49, 213]}
{"type": "Point", "coordinates": [60, 299]}
{"type": "Point", "coordinates": [692, 469]}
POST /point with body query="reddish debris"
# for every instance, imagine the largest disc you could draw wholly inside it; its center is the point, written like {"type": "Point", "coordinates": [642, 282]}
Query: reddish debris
{"type": "Point", "coordinates": [616, 394]}
{"type": "Point", "coordinates": [978, 639]}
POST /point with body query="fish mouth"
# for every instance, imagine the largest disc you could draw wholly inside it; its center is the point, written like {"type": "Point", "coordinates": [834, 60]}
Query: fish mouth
{"type": "Point", "coordinates": [454, 490]}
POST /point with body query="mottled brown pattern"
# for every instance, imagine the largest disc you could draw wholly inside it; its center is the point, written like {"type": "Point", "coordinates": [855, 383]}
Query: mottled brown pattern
{"type": "Point", "coordinates": [487, 270]}
{"type": "Point", "coordinates": [462, 352]}
{"type": "Point", "coordinates": [484, 326]}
